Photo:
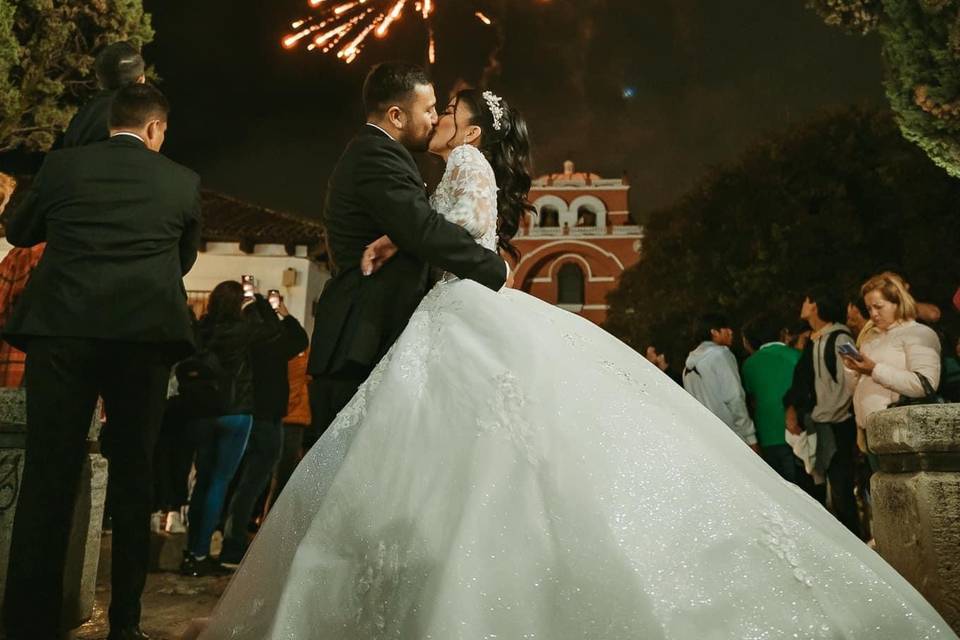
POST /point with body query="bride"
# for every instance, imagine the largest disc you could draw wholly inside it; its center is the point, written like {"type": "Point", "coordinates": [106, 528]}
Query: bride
{"type": "Point", "coordinates": [510, 470]}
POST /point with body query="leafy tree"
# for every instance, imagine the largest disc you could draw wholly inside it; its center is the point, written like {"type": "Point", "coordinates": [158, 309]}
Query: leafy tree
{"type": "Point", "coordinates": [47, 50]}
{"type": "Point", "coordinates": [854, 16]}
{"type": "Point", "coordinates": [921, 49]}
{"type": "Point", "coordinates": [826, 204]}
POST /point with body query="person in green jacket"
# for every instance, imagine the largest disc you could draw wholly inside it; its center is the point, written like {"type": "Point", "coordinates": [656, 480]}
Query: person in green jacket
{"type": "Point", "coordinates": [767, 375]}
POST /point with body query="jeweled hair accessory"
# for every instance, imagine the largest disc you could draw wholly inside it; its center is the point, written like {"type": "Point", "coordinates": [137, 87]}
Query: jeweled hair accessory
{"type": "Point", "coordinates": [493, 103]}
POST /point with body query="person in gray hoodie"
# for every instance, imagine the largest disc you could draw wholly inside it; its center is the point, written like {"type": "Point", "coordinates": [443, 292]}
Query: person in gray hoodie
{"type": "Point", "coordinates": [832, 410]}
{"type": "Point", "coordinates": [711, 376]}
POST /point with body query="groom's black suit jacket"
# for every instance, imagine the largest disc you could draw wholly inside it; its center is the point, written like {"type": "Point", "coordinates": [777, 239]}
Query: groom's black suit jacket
{"type": "Point", "coordinates": [122, 227]}
{"type": "Point", "coordinates": [376, 190]}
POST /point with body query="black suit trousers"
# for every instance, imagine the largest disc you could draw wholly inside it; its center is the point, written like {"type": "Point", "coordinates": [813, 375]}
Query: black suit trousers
{"type": "Point", "coordinates": [64, 377]}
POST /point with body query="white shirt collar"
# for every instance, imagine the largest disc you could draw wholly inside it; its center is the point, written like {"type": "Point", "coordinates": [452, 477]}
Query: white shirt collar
{"type": "Point", "coordinates": [127, 133]}
{"type": "Point", "coordinates": [770, 344]}
{"type": "Point", "coordinates": [370, 124]}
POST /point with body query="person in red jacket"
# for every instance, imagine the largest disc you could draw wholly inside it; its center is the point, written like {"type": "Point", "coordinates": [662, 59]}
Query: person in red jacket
{"type": "Point", "coordinates": [15, 271]}
{"type": "Point", "coordinates": [295, 423]}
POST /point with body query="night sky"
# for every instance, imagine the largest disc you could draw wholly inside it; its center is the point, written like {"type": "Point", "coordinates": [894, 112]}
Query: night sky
{"type": "Point", "coordinates": [708, 79]}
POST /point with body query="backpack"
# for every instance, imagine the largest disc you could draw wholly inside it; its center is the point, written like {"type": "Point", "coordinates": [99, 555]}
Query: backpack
{"type": "Point", "coordinates": [830, 352]}
{"type": "Point", "coordinates": [802, 394]}
{"type": "Point", "coordinates": [205, 389]}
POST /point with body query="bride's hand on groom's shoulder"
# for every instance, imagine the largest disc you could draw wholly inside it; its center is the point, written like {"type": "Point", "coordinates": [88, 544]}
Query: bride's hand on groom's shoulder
{"type": "Point", "coordinates": [377, 254]}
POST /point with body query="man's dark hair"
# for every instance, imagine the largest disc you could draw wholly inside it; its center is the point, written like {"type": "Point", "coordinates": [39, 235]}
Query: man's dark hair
{"type": "Point", "coordinates": [709, 322]}
{"type": "Point", "coordinates": [761, 330]}
{"type": "Point", "coordinates": [857, 301]}
{"type": "Point", "coordinates": [830, 306]}
{"type": "Point", "coordinates": [391, 83]}
{"type": "Point", "coordinates": [118, 65]}
{"type": "Point", "coordinates": [137, 104]}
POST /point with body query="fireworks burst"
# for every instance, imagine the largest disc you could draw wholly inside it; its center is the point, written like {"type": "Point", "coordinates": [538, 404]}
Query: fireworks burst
{"type": "Point", "coordinates": [343, 27]}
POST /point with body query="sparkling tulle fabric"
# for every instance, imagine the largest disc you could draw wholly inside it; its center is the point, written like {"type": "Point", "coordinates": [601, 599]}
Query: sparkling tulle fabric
{"type": "Point", "coordinates": [511, 471]}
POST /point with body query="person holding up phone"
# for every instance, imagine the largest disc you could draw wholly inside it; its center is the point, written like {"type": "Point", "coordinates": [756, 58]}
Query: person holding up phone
{"type": "Point", "coordinates": [271, 392]}
{"type": "Point", "coordinates": [275, 299]}
{"type": "Point", "coordinates": [249, 286]}
{"type": "Point", "coordinates": [233, 327]}
{"type": "Point", "coordinates": [896, 352]}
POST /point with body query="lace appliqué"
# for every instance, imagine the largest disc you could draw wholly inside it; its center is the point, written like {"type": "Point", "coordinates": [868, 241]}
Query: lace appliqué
{"type": "Point", "coordinates": [783, 544]}
{"type": "Point", "coordinates": [356, 409]}
{"type": "Point", "coordinates": [506, 418]}
{"type": "Point", "coordinates": [379, 578]}
{"type": "Point", "coordinates": [467, 194]}
{"type": "Point", "coordinates": [427, 327]}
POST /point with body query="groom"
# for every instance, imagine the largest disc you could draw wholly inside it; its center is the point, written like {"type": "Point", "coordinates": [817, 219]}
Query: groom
{"type": "Point", "coordinates": [376, 190]}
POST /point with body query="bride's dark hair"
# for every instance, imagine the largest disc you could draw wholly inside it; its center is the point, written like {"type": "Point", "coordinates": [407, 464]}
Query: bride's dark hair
{"type": "Point", "coordinates": [508, 150]}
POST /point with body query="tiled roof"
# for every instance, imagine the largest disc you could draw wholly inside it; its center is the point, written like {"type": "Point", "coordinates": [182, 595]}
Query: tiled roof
{"type": "Point", "coordinates": [227, 219]}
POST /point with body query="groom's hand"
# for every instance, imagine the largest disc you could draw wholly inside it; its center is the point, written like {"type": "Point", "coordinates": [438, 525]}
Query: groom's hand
{"type": "Point", "coordinates": [377, 254]}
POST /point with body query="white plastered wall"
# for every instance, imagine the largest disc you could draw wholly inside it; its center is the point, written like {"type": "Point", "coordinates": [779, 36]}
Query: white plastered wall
{"type": "Point", "coordinates": [224, 261]}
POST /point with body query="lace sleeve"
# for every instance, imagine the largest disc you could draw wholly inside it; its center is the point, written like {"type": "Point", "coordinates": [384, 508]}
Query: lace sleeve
{"type": "Point", "coordinates": [473, 190]}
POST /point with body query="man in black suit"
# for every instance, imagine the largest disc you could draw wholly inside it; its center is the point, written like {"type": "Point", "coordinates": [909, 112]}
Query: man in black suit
{"type": "Point", "coordinates": [376, 190]}
{"type": "Point", "coordinates": [118, 65]}
{"type": "Point", "coordinates": [104, 314]}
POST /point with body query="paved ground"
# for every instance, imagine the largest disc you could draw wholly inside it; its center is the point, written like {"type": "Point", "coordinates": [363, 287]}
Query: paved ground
{"type": "Point", "coordinates": [170, 601]}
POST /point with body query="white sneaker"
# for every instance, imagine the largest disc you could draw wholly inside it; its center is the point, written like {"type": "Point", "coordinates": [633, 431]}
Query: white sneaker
{"type": "Point", "coordinates": [175, 523]}
{"type": "Point", "coordinates": [156, 521]}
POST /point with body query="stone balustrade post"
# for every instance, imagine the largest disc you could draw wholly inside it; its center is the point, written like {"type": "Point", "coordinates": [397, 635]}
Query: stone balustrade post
{"type": "Point", "coordinates": [916, 499]}
{"type": "Point", "coordinates": [83, 551]}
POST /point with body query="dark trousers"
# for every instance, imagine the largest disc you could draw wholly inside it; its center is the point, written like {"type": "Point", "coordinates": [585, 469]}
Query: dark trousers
{"type": "Point", "coordinates": [173, 459]}
{"type": "Point", "coordinates": [64, 377]}
{"type": "Point", "coordinates": [841, 474]}
{"type": "Point", "coordinates": [781, 459]}
{"type": "Point", "coordinates": [263, 451]}
{"type": "Point", "coordinates": [290, 456]}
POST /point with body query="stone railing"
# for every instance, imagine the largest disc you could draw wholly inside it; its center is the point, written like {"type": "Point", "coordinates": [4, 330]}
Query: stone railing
{"type": "Point", "coordinates": [83, 552]}
{"type": "Point", "coordinates": [916, 499]}
{"type": "Point", "coordinates": [545, 231]}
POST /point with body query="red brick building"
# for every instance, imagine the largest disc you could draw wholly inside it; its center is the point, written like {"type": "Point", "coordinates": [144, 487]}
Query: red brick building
{"type": "Point", "coordinates": [581, 243]}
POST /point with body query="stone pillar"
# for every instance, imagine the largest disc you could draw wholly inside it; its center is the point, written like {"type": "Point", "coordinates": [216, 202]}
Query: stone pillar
{"type": "Point", "coordinates": [916, 499]}
{"type": "Point", "coordinates": [83, 554]}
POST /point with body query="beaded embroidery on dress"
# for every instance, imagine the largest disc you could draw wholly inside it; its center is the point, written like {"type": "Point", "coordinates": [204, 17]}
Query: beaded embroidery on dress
{"type": "Point", "coordinates": [510, 470]}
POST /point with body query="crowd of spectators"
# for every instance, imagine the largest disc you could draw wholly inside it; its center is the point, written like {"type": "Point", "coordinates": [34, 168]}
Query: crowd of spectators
{"type": "Point", "coordinates": [806, 386]}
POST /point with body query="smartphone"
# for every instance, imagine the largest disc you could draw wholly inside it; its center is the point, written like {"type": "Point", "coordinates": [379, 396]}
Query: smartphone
{"type": "Point", "coordinates": [274, 297]}
{"type": "Point", "coordinates": [248, 288]}
{"type": "Point", "coordinates": [850, 351]}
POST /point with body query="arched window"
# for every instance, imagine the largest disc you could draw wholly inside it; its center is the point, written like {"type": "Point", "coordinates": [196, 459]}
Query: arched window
{"type": "Point", "coordinates": [549, 216]}
{"type": "Point", "coordinates": [586, 217]}
{"type": "Point", "coordinates": [570, 285]}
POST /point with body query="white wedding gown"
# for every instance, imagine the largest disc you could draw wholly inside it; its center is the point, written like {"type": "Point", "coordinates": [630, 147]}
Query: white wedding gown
{"type": "Point", "coordinates": [512, 471]}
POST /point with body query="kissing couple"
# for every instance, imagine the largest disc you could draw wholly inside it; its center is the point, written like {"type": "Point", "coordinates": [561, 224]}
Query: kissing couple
{"type": "Point", "coordinates": [496, 467]}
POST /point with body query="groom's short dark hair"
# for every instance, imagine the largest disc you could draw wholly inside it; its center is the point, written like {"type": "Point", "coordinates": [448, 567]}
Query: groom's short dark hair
{"type": "Point", "coordinates": [137, 104]}
{"type": "Point", "coordinates": [391, 83]}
